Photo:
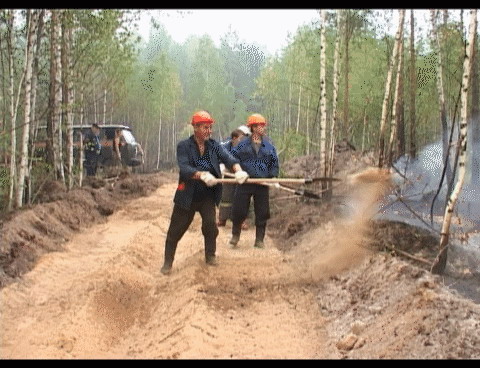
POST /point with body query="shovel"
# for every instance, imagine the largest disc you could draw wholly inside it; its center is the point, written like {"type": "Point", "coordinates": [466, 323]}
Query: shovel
{"type": "Point", "coordinates": [275, 182]}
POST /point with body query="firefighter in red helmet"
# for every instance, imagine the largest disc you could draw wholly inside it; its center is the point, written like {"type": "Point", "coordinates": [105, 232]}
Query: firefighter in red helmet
{"type": "Point", "coordinates": [259, 159]}
{"type": "Point", "coordinates": [199, 158]}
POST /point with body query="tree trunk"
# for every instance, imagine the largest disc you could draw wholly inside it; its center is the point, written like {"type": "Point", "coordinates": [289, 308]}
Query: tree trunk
{"type": "Point", "coordinates": [393, 121]}
{"type": "Point", "coordinates": [348, 34]}
{"type": "Point", "coordinates": [475, 118]}
{"type": "Point", "coordinates": [67, 40]}
{"type": "Point", "coordinates": [54, 142]}
{"type": "Point", "coordinates": [386, 98]}
{"type": "Point", "coordinates": [323, 98]}
{"type": "Point", "coordinates": [104, 106]}
{"type": "Point", "coordinates": [14, 101]}
{"type": "Point", "coordinates": [336, 75]}
{"type": "Point", "coordinates": [441, 98]}
{"type": "Point", "coordinates": [298, 110]}
{"type": "Point", "coordinates": [365, 122]}
{"type": "Point", "coordinates": [13, 146]}
{"type": "Point", "coordinates": [308, 131]}
{"type": "Point", "coordinates": [440, 261]}
{"type": "Point", "coordinates": [32, 22]}
{"type": "Point", "coordinates": [401, 111]}
{"type": "Point", "coordinates": [159, 142]}
{"type": "Point", "coordinates": [33, 122]}
{"type": "Point", "coordinates": [80, 148]}
{"type": "Point", "coordinates": [413, 88]}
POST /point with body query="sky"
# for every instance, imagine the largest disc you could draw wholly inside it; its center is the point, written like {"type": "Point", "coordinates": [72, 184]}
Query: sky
{"type": "Point", "coordinates": [266, 27]}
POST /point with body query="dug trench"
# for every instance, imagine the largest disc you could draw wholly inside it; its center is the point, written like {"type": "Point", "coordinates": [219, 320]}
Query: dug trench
{"type": "Point", "coordinates": [81, 280]}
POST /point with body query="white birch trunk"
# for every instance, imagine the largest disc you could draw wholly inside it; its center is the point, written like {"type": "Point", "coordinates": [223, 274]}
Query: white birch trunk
{"type": "Point", "coordinates": [31, 40]}
{"type": "Point", "coordinates": [393, 117]}
{"type": "Point", "coordinates": [68, 76]}
{"type": "Point", "coordinates": [441, 259]}
{"type": "Point", "coordinates": [104, 106]}
{"type": "Point", "coordinates": [58, 102]}
{"type": "Point", "coordinates": [307, 123]}
{"type": "Point", "coordinates": [298, 110]}
{"type": "Point", "coordinates": [336, 78]}
{"type": "Point", "coordinates": [441, 95]}
{"type": "Point", "coordinates": [80, 148]}
{"type": "Point", "coordinates": [386, 98]}
{"type": "Point", "coordinates": [323, 94]}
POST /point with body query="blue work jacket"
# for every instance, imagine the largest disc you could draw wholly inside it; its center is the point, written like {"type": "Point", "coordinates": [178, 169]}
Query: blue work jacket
{"type": "Point", "coordinates": [263, 164]}
{"type": "Point", "coordinates": [187, 157]}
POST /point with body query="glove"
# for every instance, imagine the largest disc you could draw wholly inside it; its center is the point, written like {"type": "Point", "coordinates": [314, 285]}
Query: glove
{"type": "Point", "coordinates": [241, 176]}
{"type": "Point", "coordinates": [208, 179]}
{"type": "Point", "coordinates": [222, 169]}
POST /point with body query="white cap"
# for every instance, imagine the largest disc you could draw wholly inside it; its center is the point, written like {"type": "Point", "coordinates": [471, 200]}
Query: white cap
{"type": "Point", "coordinates": [245, 129]}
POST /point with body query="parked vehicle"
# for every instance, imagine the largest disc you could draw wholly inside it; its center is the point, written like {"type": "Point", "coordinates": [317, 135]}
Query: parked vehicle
{"type": "Point", "coordinates": [130, 149]}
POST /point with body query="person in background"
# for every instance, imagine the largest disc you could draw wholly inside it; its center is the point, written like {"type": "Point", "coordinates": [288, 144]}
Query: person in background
{"type": "Point", "coordinates": [225, 208]}
{"type": "Point", "coordinates": [199, 158]}
{"type": "Point", "coordinates": [258, 157]}
{"type": "Point", "coordinates": [92, 148]}
{"type": "Point", "coordinates": [117, 143]}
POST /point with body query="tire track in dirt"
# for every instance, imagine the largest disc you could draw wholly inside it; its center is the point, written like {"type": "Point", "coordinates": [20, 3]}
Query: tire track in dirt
{"type": "Point", "coordinates": [104, 297]}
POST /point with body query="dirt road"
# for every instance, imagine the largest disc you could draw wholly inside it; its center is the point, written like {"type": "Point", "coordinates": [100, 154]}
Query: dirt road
{"type": "Point", "coordinates": [324, 296]}
{"type": "Point", "coordinates": [104, 297]}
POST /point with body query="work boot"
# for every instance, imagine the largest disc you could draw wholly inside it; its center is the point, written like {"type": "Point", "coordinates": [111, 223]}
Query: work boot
{"type": "Point", "coordinates": [234, 241]}
{"type": "Point", "coordinates": [211, 261]}
{"type": "Point", "coordinates": [259, 244]}
{"type": "Point", "coordinates": [259, 236]}
{"type": "Point", "coordinates": [166, 268]}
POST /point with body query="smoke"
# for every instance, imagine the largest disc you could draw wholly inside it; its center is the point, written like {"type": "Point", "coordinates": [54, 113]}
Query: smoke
{"type": "Point", "coordinates": [338, 245]}
{"type": "Point", "coordinates": [423, 174]}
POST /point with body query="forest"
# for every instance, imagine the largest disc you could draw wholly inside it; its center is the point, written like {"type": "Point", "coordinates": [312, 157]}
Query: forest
{"type": "Point", "coordinates": [341, 78]}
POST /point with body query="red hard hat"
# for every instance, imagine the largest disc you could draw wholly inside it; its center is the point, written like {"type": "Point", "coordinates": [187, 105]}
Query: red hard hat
{"type": "Point", "coordinates": [201, 117]}
{"type": "Point", "coordinates": [256, 119]}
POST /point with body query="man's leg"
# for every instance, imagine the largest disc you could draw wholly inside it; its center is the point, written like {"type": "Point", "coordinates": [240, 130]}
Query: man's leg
{"type": "Point", "coordinates": [179, 223]}
{"type": "Point", "coordinates": [261, 206]}
{"type": "Point", "coordinates": [209, 229]}
{"type": "Point", "coordinates": [241, 202]}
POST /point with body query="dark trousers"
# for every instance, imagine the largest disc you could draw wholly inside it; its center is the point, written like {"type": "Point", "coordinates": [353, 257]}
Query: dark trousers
{"type": "Point", "coordinates": [181, 220]}
{"type": "Point", "coordinates": [91, 163]}
{"type": "Point", "coordinates": [225, 209]}
{"type": "Point", "coordinates": [261, 207]}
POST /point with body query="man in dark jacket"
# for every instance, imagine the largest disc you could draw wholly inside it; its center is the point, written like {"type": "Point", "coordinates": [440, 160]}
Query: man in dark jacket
{"type": "Point", "coordinates": [225, 208]}
{"type": "Point", "coordinates": [259, 159]}
{"type": "Point", "coordinates": [92, 147]}
{"type": "Point", "coordinates": [199, 159]}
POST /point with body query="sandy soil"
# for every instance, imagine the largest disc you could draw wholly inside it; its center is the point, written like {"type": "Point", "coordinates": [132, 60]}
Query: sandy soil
{"type": "Point", "coordinates": [318, 293]}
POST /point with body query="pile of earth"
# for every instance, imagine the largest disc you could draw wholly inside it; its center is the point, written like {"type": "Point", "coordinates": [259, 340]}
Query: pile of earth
{"type": "Point", "coordinates": [46, 226]}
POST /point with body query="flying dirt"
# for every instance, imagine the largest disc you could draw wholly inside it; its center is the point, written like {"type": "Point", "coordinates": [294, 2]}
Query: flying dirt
{"type": "Point", "coordinates": [101, 295]}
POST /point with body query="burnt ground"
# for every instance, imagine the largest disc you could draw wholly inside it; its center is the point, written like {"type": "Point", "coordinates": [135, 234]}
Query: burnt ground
{"type": "Point", "coordinates": [380, 304]}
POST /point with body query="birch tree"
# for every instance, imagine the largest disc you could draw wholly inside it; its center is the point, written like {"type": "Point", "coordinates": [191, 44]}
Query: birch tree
{"type": "Point", "coordinates": [441, 95]}
{"type": "Point", "coordinates": [336, 74]}
{"type": "Point", "coordinates": [67, 41]}
{"type": "Point", "coordinates": [32, 21]}
{"type": "Point", "coordinates": [323, 94]}
{"type": "Point", "coordinates": [388, 82]}
{"type": "Point", "coordinates": [14, 101]}
{"type": "Point", "coordinates": [441, 260]}
{"type": "Point", "coordinates": [395, 105]}
{"type": "Point", "coordinates": [413, 88]}
{"type": "Point", "coordinates": [53, 122]}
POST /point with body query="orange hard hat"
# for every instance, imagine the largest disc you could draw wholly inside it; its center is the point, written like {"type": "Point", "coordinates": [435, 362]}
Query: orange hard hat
{"type": "Point", "coordinates": [256, 119]}
{"type": "Point", "coordinates": [201, 117]}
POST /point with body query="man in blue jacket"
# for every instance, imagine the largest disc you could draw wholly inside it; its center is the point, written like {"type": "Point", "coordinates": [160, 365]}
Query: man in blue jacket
{"type": "Point", "coordinates": [199, 159]}
{"type": "Point", "coordinates": [258, 157]}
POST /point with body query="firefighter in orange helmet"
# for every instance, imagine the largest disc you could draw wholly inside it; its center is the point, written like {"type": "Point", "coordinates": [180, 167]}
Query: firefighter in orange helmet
{"type": "Point", "coordinates": [258, 157]}
{"type": "Point", "coordinates": [199, 158]}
